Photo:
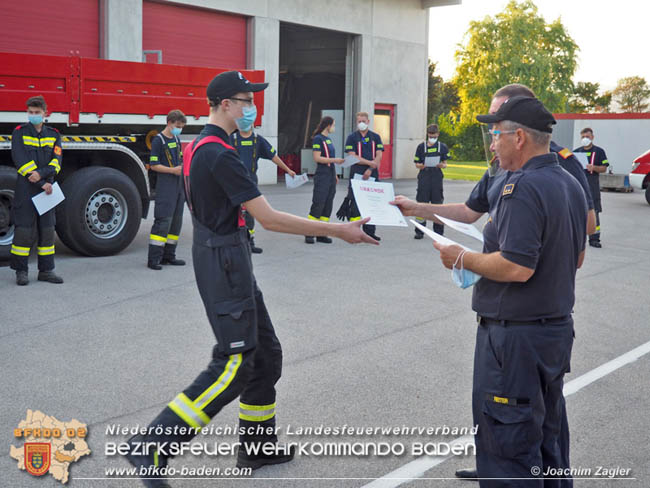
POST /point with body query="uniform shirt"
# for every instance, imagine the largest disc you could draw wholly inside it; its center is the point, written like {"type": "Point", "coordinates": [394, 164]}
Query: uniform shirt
{"type": "Point", "coordinates": [326, 148]}
{"type": "Point", "coordinates": [540, 223]}
{"type": "Point", "coordinates": [364, 146]}
{"type": "Point", "coordinates": [251, 149]}
{"type": "Point", "coordinates": [219, 184]}
{"type": "Point", "coordinates": [597, 157]}
{"type": "Point", "coordinates": [166, 151]}
{"type": "Point", "coordinates": [37, 151]}
{"type": "Point", "coordinates": [487, 191]}
{"type": "Point", "coordinates": [424, 151]}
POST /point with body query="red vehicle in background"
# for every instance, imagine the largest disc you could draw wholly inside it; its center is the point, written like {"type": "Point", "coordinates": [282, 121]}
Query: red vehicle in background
{"type": "Point", "coordinates": [107, 113]}
{"type": "Point", "coordinates": [640, 174]}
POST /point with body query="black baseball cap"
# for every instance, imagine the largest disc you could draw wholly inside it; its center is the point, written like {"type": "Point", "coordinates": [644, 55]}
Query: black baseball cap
{"type": "Point", "coordinates": [229, 83]}
{"type": "Point", "coordinates": [526, 111]}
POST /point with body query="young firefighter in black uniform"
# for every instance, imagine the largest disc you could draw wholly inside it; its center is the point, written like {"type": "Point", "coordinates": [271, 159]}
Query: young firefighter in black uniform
{"type": "Point", "coordinates": [430, 177]}
{"type": "Point", "coordinates": [247, 359]}
{"type": "Point", "coordinates": [597, 164]}
{"type": "Point", "coordinates": [36, 152]}
{"type": "Point", "coordinates": [367, 146]}
{"type": "Point", "coordinates": [325, 178]}
{"type": "Point", "coordinates": [167, 160]}
{"type": "Point", "coordinates": [251, 147]}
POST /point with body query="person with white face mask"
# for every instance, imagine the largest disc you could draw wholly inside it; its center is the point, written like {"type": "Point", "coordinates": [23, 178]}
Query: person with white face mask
{"type": "Point", "coordinates": [597, 163]}
{"type": "Point", "coordinates": [430, 177]}
{"type": "Point", "coordinates": [368, 147]}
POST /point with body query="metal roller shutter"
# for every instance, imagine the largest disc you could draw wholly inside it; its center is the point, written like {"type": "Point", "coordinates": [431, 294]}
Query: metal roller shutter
{"type": "Point", "coordinates": [47, 27]}
{"type": "Point", "coordinates": [194, 37]}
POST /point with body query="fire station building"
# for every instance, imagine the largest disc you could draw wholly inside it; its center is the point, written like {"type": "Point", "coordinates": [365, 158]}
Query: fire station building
{"type": "Point", "coordinates": [320, 58]}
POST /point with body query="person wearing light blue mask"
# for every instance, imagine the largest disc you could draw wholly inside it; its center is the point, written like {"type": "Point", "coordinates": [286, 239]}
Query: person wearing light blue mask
{"type": "Point", "coordinates": [166, 160]}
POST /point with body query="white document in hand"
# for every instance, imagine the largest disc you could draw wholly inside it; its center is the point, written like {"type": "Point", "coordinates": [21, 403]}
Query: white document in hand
{"type": "Point", "coordinates": [373, 200]}
{"type": "Point", "coordinates": [440, 239]}
{"type": "Point", "coordinates": [582, 157]}
{"type": "Point", "coordinates": [359, 176]}
{"type": "Point", "coordinates": [467, 229]}
{"type": "Point", "coordinates": [349, 160]}
{"type": "Point", "coordinates": [295, 181]}
{"type": "Point", "coordinates": [431, 161]}
{"type": "Point", "coordinates": [44, 202]}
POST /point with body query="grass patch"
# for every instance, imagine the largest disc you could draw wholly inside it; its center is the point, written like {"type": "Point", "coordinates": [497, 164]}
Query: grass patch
{"type": "Point", "coordinates": [465, 170]}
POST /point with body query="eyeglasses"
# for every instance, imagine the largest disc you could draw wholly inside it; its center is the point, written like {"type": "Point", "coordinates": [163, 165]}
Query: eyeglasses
{"type": "Point", "coordinates": [496, 133]}
{"type": "Point", "coordinates": [247, 101]}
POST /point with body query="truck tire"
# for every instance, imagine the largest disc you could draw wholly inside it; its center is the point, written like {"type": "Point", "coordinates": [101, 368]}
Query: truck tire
{"type": "Point", "coordinates": [647, 194]}
{"type": "Point", "coordinates": [101, 213]}
{"type": "Point", "coordinates": [8, 177]}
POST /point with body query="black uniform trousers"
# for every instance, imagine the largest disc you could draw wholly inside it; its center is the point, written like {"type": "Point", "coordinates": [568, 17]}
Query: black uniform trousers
{"type": "Point", "coordinates": [354, 210]}
{"type": "Point", "coordinates": [594, 186]}
{"type": "Point", "coordinates": [168, 218]}
{"type": "Point", "coordinates": [429, 191]}
{"type": "Point", "coordinates": [30, 227]}
{"type": "Point", "coordinates": [247, 359]}
{"type": "Point", "coordinates": [324, 191]}
{"type": "Point", "coordinates": [518, 402]}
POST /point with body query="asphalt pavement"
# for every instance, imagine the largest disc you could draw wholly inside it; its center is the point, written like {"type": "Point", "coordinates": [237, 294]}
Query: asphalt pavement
{"type": "Point", "coordinates": [373, 336]}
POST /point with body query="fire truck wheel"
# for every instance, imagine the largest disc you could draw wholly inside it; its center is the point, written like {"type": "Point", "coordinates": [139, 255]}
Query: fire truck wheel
{"type": "Point", "coordinates": [647, 193]}
{"type": "Point", "coordinates": [101, 213]}
{"type": "Point", "coordinates": [8, 177]}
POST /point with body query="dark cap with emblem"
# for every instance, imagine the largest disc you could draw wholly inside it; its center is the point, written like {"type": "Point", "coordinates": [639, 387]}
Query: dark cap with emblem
{"type": "Point", "coordinates": [229, 83]}
{"type": "Point", "coordinates": [527, 111]}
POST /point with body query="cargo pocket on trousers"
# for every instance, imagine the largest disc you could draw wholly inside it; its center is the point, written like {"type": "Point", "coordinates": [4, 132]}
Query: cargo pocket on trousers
{"type": "Point", "coordinates": [510, 430]}
{"type": "Point", "coordinates": [234, 324]}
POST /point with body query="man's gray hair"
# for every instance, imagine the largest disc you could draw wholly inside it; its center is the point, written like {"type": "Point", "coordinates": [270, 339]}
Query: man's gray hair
{"type": "Point", "coordinates": [538, 137]}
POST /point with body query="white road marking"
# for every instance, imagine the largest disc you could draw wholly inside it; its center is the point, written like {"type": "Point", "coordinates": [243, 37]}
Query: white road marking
{"type": "Point", "coordinates": [417, 468]}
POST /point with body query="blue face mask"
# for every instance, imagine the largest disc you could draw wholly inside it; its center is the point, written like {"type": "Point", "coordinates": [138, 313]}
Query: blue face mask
{"type": "Point", "coordinates": [463, 278]}
{"type": "Point", "coordinates": [245, 122]}
{"type": "Point", "coordinates": [35, 119]}
{"type": "Point", "coordinates": [176, 131]}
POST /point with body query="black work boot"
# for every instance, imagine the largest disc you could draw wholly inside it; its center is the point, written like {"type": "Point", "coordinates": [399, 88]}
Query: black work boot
{"type": "Point", "coordinates": [173, 261]}
{"type": "Point", "coordinates": [418, 236]}
{"type": "Point", "coordinates": [50, 277]}
{"type": "Point", "coordinates": [309, 239]}
{"type": "Point", "coordinates": [255, 461]}
{"type": "Point", "coordinates": [467, 474]}
{"type": "Point", "coordinates": [254, 248]}
{"type": "Point", "coordinates": [324, 239]}
{"type": "Point", "coordinates": [148, 462]}
{"type": "Point", "coordinates": [152, 265]}
{"type": "Point", "coordinates": [21, 278]}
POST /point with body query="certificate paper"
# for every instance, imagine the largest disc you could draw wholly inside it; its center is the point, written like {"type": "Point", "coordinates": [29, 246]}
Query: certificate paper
{"type": "Point", "coordinates": [359, 176]}
{"type": "Point", "coordinates": [467, 229]}
{"type": "Point", "coordinates": [295, 181]}
{"type": "Point", "coordinates": [440, 239]}
{"type": "Point", "coordinates": [349, 160]}
{"type": "Point", "coordinates": [373, 200]}
{"type": "Point", "coordinates": [44, 202]}
{"type": "Point", "coordinates": [431, 161]}
{"type": "Point", "coordinates": [582, 157]}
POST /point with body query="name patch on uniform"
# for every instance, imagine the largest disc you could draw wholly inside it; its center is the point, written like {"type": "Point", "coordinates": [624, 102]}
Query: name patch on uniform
{"type": "Point", "coordinates": [508, 189]}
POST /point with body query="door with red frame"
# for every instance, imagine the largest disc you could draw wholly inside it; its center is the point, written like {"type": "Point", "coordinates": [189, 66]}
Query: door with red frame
{"type": "Point", "coordinates": [383, 124]}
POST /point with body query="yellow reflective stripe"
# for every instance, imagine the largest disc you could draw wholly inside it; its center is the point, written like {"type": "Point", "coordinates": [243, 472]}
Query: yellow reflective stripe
{"type": "Point", "coordinates": [20, 251]}
{"type": "Point", "coordinates": [155, 457]}
{"type": "Point", "coordinates": [311, 217]}
{"type": "Point", "coordinates": [354, 219]}
{"type": "Point", "coordinates": [154, 237]}
{"type": "Point", "coordinates": [251, 231]}
{"type": "Point", "coordinates": [171, 145]}
{"type": "Point", "coordinates": [153, 158]}
{"type": "Point", "coordinates": [257, 407]}
{"type": "Point", "coordinates": [45, 251]}
{"type": "Point", "coordinates": [181, 406]}
{"type": "Point", "coordinates": [256, 413]}
{"type": "Point", "coordinates": [351, 148]}
{"type": "Point", "coordinates": [30, 141]}
{"type": "Point", "coordinates": [316, 146]}
{"type": "Point", "coordinates": [597, 228]}
{"type": "Point", "coordinates": [325, 219]}
{"type": "Point", "coordinates": [27, 167]}
{"type": "Point", "coordinates": [172, 237]}
{"type": "Point", "coordinates": [48, 141]}
{"type": "Point", "coordinates": [246, 143]}
{"type": "Point", "coordinates": [214, 390]}
{"type": "Point", "coordinates": [55, 163]}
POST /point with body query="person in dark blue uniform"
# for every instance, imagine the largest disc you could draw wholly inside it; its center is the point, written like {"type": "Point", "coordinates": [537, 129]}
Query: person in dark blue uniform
{"type": "Point", "coordinates": [36, 152]}
{"type": "Point", "coordinates": [534, 243]}
{"type": "Point", "coordinates": [251, 147]}
{"type": "Point", "coordinates": [430, 178]}
{"type": "Point", "coordinates": [325, 178]}
{"type": "Point", "coordinates": [368, 147]}
{"type": "Point", "coordinates": [597, 164]}
{"type": "Point", "coordinates": [166, 159]}
{"type": "Point", "coordinates": [246, 362]}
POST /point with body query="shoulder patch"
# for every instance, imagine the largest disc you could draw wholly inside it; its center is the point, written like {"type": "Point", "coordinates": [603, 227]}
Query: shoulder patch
{"type": "Point", "coordinates": [565, 153]}
{"type": "Point", "coordinates": [508, 189]}
{"type": "Point", "coordinates": [57, 150]}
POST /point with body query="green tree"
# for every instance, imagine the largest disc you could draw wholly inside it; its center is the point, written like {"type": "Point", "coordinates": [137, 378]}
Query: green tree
{"type": "Point", "coordinates": [515, 46]}
{"type": "Point", "coordinates": [442, 96]}
{"type": "Point", "coordinates": [586, 99]}
{"type": "Point", "coordinates": [632, 94]}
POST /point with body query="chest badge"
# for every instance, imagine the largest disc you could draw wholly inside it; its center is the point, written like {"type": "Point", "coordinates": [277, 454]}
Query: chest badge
{"type": "Point", "coordinates": [508, 189]}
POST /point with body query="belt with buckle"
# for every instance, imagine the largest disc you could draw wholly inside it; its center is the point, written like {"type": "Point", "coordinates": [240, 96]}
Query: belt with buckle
{"type": "Point", "coordinates": [545, 321]}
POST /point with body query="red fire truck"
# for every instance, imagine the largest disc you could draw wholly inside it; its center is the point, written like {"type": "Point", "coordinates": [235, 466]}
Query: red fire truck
{"type": "Point", "coordinates": [107, 113]}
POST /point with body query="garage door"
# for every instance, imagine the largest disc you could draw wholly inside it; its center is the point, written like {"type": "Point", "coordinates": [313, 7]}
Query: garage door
{"type": "Point", "coordinates": [194, 37]}
{"type": "Point", "coordinates": [47, 27]}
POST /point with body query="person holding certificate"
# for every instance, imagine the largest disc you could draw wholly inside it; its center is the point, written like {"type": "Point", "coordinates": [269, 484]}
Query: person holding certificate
{"type": "Point", "coordinates": [430, 157]}
{"type": "Point", "coordinates": [325, 178]}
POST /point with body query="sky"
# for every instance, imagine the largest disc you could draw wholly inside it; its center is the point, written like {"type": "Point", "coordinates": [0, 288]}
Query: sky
{"type": "Point", "coordinates": [613, 36]}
